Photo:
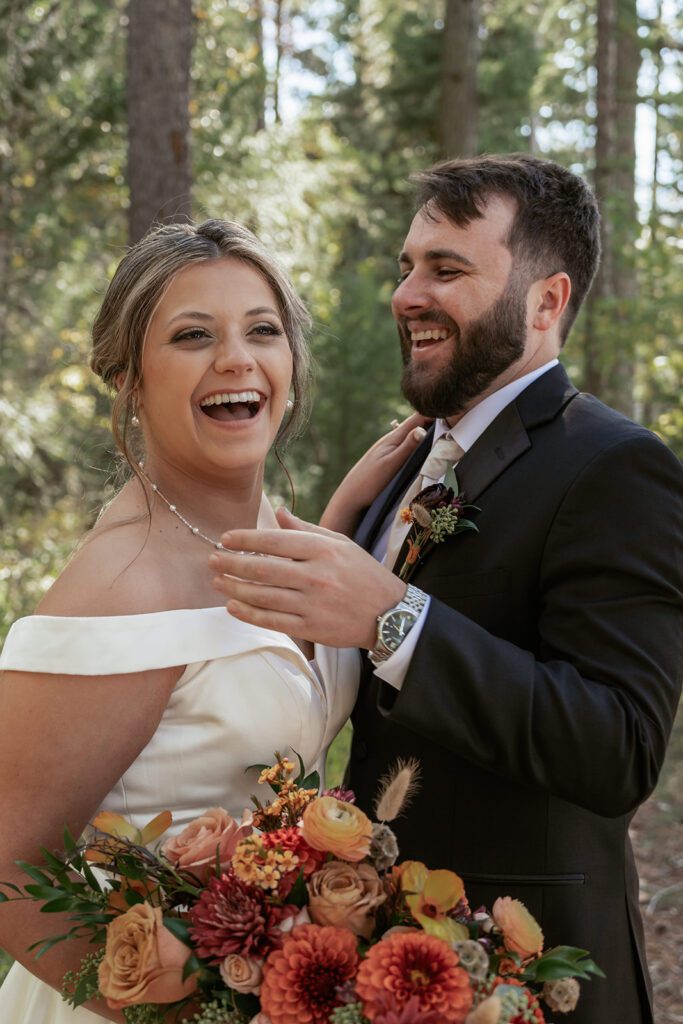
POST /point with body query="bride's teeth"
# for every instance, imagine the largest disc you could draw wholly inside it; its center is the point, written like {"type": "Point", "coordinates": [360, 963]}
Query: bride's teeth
{"type": "Point", "coordinates": [228, 397]}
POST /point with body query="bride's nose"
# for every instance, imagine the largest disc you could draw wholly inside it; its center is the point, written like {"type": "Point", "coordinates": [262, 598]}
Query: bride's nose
{"type": "Point", "coordinates": [233, 355]}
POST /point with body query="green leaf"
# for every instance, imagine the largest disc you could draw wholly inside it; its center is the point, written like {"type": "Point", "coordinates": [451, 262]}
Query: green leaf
{"type": "Point", "coordinates": [311, 781]}
{"type": "Point", "coordinates": [562, 962]}
{"type": "Point", "coordinates": [192, 966]}
{"type": "Point", "coordinates": [132, 897]}
{"type": "Point", "coordinates": [70, 844]}
{"type": "Point", "coordinates": [46, 944]}
{"type": "Point", "coordinates": [53, 861]}
{"type": "Point", "coordinates": [451, 480]}
{"type": "Point", "coordinates": [44, 892]}
{"type": "Point", "coordinates": [179, 928]}
{"type": "Point", "coordinates": [90, 877]}
{"type": "Point", "coordinates": [35, 873]}
{"type": "Point", "coordinates": [298, 894]}
{"type": "Point", "coordinates": [9, 885]}
{"type": "Point", "coordinates": [302, 771]}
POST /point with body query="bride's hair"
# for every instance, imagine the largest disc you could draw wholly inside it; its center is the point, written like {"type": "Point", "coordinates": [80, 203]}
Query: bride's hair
{"type": "Point", "coordinates": [138, 286]}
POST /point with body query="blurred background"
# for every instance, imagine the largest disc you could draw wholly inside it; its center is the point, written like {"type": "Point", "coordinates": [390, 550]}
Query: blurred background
{"type": "Point", "coordinates": [304, 121]}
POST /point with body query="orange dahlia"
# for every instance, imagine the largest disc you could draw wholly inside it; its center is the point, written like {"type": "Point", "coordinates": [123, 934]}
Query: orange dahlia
{"type": "Point", "coordinates": [413, 965]}
{"type": "Point", "coordinates": [302, 981]}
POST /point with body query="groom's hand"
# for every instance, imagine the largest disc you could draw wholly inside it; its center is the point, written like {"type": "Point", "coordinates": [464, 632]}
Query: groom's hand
{"type": "Point", "coordinates": [305, 581]}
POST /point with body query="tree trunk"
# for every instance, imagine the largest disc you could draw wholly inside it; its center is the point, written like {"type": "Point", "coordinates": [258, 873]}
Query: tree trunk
{"type": "Point", "coordinates": [158, 93]}
{"type": "Point", "coordinates": [611, 338]}
{"type": "Point", "coordinates": [458, 106]}
{"type": "Point", "coordinates": [260, 63]}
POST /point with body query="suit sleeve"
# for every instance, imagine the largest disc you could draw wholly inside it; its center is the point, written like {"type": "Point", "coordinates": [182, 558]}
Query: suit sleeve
{"type": "Point", "coordinates": [587, 715]}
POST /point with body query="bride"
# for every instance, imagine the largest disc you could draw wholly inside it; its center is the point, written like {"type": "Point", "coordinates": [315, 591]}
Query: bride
{"type": "Point", "coordinates": [129, 690]}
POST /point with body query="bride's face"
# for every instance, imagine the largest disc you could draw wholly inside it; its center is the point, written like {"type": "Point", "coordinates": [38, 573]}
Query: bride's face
{"type": "Point", "coordinates": [216, 370]}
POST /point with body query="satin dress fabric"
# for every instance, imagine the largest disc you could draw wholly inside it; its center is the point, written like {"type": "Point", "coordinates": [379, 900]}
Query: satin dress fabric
{"type": "Point", "coordinates": [245, 693]}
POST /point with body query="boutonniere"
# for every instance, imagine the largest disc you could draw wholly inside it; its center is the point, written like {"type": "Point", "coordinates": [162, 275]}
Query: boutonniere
{"type": "Point", "coordinates": [434, 514]}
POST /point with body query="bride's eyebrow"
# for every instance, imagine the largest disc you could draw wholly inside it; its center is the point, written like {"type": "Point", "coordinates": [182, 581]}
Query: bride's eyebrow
{"type": "Point", "coordinates": [260, 310]}
{"type": "Point", "coordinates": [189, 314]}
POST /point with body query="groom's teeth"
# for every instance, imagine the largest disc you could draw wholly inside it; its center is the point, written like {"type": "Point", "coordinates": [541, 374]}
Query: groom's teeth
{"type": "Point", "coordinates": [429, 335]}
{"type": "Point", "coordinates": [231, 396]}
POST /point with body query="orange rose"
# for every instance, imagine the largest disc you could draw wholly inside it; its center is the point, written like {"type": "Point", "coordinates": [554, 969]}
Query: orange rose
{"type": "Point", "coordinates": [345, 896]}
{"type": "Point", "coordinates": [215, 831]}
{"type": "Point", "coordinates": [143, 962]}
{"type": "Point", "coordinates": [336, 827]}
{"type": "Point", "coordinates": [521, 932]}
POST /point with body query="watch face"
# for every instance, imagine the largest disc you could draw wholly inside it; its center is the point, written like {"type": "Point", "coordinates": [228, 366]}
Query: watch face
{"type": "Point", "coordinates": [395, 627]}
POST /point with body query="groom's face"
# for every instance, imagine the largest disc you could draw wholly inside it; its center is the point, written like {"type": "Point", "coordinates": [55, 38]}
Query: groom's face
{"type": "Point", "coordinates": [461, 311]}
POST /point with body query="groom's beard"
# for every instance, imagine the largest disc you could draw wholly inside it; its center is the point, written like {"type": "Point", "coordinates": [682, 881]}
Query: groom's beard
{"type": "Point", "coordinates": [481, 353]}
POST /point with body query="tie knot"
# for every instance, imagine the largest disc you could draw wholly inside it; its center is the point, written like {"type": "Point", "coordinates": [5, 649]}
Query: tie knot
{"type": "Point", "coordinates": [444, 453]}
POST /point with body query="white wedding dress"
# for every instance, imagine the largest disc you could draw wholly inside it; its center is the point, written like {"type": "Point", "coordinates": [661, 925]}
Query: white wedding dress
{"type": "Point", "coordinates": [245, 693]}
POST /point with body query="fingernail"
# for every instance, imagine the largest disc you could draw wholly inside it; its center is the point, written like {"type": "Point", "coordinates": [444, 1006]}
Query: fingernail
{"type": "Point", "coordinates": [214, 560]}
{"type": "Point", "coordinates": [419, 433]}
{"type": "Point", "coordinates": [394, 424]}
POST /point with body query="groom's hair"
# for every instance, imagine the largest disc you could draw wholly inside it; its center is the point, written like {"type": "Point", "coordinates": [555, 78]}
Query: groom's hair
{"type": "Point", "coordinates": [556, 225]}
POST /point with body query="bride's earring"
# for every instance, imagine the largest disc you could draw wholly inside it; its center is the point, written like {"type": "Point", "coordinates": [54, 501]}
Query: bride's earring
{"type": "Point", "coordinates": [289, 405]}
{"type": "Point", "coordinates": [134, 421]}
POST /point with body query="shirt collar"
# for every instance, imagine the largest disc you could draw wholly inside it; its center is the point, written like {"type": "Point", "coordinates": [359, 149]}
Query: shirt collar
{"type": "Point", "coordinates": [473, 424]}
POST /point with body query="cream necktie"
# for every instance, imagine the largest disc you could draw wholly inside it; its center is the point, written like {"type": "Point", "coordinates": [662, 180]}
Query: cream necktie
{"type": "Point", "coordinates": [444, 453]}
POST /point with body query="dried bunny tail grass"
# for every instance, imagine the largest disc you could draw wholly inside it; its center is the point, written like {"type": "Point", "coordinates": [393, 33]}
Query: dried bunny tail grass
{"type": "Point", "coordinates": [397, 788]}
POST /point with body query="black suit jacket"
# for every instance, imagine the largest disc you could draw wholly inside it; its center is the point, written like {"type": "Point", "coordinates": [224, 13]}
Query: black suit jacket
{"type": "Point", "coordinates": [544, 685]}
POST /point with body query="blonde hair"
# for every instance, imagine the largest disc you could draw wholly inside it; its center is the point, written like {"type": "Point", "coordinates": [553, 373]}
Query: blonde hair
{"type": "Point", "coordinates": [141, 277]}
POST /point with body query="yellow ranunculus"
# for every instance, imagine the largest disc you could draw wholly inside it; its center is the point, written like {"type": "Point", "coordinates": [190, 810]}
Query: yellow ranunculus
{"type": "Point", "coordinates": [337, 827]}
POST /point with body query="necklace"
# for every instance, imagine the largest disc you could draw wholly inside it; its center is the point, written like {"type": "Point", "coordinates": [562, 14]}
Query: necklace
{"type": "Point", "coordinates": [172, 508]}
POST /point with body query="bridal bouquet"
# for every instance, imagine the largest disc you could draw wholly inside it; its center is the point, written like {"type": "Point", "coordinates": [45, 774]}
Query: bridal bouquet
{"type": "Point", "coordinates": [298, 914]}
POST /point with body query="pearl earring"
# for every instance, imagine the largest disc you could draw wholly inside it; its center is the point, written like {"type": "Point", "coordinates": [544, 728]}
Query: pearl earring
{"type": "Point", "coordinates": [135, 422]}
{"type": "Point", "coordinates": [290, 405]}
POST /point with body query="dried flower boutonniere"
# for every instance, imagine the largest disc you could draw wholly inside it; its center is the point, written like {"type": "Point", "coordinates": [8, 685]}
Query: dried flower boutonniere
{"type": "Point", "coordinates": [434, 514]}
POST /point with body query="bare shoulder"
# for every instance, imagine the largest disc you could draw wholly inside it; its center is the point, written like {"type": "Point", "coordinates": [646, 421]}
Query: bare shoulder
{"type": "Point", "coordinates": [120, 568]}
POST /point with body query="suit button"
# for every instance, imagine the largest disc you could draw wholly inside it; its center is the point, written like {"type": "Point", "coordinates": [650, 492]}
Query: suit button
{"type": "Point", "coordinates": [360, 749]}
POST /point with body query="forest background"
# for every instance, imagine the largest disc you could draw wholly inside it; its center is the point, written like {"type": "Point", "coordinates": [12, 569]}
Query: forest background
{"type": "Point", "coordinates": [304, 121]}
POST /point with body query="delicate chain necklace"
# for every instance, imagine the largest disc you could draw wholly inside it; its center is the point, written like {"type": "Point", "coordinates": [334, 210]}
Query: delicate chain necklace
{"type": "Point", "coordinates": [172, 508]}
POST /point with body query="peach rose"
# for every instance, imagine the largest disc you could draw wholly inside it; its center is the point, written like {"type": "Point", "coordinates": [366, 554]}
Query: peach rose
{"type": "Point", "coordinates": [143, 962]}
{"type": "Point", "coordinates": [215, 830]}
{"type": "Point", "coordinates": [336, 827]}
{"type": "Point", "coordinates": [345, 896]}
{"type": "Point", "coordinates": [521, 932]}
{"type": "Point", "coordinates": [242, 974]}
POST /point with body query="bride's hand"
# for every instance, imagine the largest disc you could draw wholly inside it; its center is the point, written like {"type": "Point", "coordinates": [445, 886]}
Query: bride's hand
{"type": "Point", "coordinates": [371, 474]}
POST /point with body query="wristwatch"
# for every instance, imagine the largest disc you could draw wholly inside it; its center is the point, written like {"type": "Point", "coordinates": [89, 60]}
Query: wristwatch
{"type": "Point", "coordinates": [394, 625]}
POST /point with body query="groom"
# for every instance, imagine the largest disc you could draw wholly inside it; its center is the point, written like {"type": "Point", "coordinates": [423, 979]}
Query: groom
{"type": "Point", "coordinates": [532, 666]}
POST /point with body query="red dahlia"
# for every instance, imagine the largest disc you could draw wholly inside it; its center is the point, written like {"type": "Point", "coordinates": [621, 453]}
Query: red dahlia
{"type": "Point", "coordinates": [231, 916]}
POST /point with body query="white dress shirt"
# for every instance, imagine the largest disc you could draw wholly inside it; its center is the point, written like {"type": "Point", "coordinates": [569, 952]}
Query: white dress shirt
{"type": "Point", "coordinates": [466, 431]}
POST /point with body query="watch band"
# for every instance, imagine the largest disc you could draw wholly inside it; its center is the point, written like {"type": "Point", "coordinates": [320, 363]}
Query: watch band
{"type": "Point", "coordinates": [413, 600]}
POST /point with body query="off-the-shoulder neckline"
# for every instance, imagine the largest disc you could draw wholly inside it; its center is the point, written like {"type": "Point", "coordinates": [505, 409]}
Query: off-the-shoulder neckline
{"type": "Point", "coordinates": [142, 615]}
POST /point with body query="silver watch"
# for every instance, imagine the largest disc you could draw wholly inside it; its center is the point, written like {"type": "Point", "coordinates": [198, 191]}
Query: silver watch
{"type": "Point", "coordinates": [394, 625]}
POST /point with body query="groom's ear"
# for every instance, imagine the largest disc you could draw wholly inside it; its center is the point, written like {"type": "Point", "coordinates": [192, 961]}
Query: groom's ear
{"type": "Point", "coordinates": [549, 300]}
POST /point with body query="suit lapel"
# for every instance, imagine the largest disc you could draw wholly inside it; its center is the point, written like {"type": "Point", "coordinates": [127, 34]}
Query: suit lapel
{"type": "Point", "coordinates": [507, 438]}
{"type": "Point", "coordinates": [374, 518]}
